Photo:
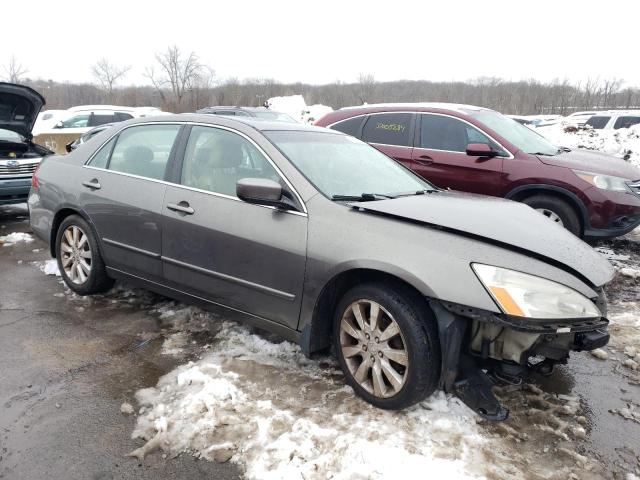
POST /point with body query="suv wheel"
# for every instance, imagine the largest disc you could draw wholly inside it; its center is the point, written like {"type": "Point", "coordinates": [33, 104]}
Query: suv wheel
{"type": "Point", "coordinates": [79, 259]}
{"type": "Point", "coordinates": [387, 344]}
{"type": "Point", "coordinates": [556, 210]}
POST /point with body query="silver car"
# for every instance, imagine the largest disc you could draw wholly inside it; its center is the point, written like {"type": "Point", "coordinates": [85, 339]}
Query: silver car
{"type": "Point", "coordinates": [319, 237]}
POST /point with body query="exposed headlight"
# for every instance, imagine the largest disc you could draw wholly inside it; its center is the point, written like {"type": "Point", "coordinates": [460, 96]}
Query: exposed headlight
{"type": "Point", "coordinates": [604, 182]}
{"type": "Point", "coordinates": [525, 295]}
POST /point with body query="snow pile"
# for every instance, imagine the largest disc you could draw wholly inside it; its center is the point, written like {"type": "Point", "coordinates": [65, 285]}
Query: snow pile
{"type": "Point", "coordinates": [15, 237]}
{"type": "Point", "coordinates": [227, 406]}
{"type": "Point", "coordinates": [295, 106]}
{"type": "Point", "coordinates": [50, 267]}
{"type": "Point", "coordinates": [622, 142]}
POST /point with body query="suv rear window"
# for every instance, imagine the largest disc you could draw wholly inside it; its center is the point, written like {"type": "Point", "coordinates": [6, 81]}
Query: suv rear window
{"type": "Point", "coordinates": [389, 129]}
{"type": "Point", "coordinates": [626, 122]}
{"type": "Point", "coordinates": [350, 126]}
{"type": "Point", "coordinates": [598, 122]}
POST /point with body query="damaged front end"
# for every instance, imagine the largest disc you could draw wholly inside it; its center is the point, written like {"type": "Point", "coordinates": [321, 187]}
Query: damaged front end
{"type": "Point", "coordinates": [481, 349]}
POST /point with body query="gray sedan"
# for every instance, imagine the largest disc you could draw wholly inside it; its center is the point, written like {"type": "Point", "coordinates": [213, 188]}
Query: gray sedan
{"type": "Point", "coordinates": [324, 240]}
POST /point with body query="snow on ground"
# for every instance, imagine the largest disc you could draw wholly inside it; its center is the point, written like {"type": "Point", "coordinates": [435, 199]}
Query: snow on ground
{"type": "Point", "coordinates": [296, 106]}
{"type": "Point", "coordinates": [50, 267]}
{"type": "Point", "coordinates": [305, 425]}
{"type": "Point", "coordinates": [621, 142]}
{"type": "Point", "coordinates": [15, 237]}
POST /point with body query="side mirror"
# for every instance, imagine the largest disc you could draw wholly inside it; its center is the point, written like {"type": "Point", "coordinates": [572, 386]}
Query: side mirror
{"type": "Point", "coordinates": [262, 191]}
{"type": "Point", "coordinates": [480, 150]}
{"type": "Point", "coordinates": [58, 125]}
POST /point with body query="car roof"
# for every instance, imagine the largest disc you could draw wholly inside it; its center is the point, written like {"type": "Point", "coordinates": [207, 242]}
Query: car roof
{"type": "Point", "coordinates": [458, 107]}
{"type": "Point", "coordinates": [256, 123]}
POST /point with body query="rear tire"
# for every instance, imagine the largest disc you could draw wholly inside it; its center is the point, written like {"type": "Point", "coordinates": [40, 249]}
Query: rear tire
{"type": "Point", "coordinates": [393, 361]}
{"type": "Point", "coordinates": [556, 210]}
{"type": "Point", "coordinates": [79, 259]}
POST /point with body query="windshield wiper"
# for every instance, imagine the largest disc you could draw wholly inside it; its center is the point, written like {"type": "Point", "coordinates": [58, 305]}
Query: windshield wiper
{"type": "Point", "coordinates": [412, 193]}
{"type": "Point", "coordinates": [364, 197]}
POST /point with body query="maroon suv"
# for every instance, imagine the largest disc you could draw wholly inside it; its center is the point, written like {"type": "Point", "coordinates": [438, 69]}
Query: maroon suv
{"type": "Point", "coordinates": [477, 150]}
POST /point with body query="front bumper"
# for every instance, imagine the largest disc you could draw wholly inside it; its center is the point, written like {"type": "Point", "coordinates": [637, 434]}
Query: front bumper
{"type": "Point", "coordinates": [14, 190]}
{"type": "Point", "coordinates": [612, 214]}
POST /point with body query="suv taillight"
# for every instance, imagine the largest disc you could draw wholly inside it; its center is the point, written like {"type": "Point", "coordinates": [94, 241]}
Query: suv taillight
{"type": "Point", "coordinates": [34, 178]}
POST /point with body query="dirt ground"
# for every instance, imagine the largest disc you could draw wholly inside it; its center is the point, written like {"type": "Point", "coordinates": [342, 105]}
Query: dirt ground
{"type": "Point", "coordinates": [69, 364]}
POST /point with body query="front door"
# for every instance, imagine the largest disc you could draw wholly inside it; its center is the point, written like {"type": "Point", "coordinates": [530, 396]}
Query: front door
{"type": "Point", "coordinates": [440, 156]}
{"type": "Point", "coordinates": [246, 257]}
{"type": "Point", "coordinates": [123, 190]}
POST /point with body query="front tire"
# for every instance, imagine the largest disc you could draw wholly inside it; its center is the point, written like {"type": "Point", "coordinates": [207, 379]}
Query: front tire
{"type": "Point", "coordinates": [556, 210]}
{"type": "Point", "coordinates": [386, 341]}
{"type": "Point", "coordinates": [79, 260]}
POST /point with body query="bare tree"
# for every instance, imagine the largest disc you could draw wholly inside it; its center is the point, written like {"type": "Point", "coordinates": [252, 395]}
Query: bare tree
{"type": "Point", "coordinates": [177, 72]}
{"type": "Point", "coordinates": [108, 74]}
{"type": "Point", "coordinates": [367, 82]}
{"type": "Point", "coordinates": [14, 70]}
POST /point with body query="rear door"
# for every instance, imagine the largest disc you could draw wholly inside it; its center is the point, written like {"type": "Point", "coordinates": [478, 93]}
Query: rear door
{"type": "Point", "coordinates": [440, 156]}
{"type": "Point", "coordinates": [123, 191]}
{"type": "Point", "coordinates": [246, 257]}
{"type": "Point", "coordinates": [391, 133]}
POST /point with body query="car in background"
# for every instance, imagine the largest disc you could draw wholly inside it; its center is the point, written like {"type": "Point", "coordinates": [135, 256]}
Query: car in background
{"type": "Point", "coordinates": [256, 112]}
{"type": "Point", "coordinates": [614, 120]}
{"type": "Point", "coordinates": [19, 156]}
{"type": "Point", "coordinates": [477, 150]}
{"type": "Point", "coordinates": [320, 238]}
{"type": "Point", "coordinates": [579, 119]}
{"type": "Point", "coordinates": [85, 137]}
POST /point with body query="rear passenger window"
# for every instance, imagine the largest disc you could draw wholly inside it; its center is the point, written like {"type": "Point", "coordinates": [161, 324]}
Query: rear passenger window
{"type": "Point", "coordinates": [598, 122]}
{"type": "Point", "coordinates": [389, 129]}
{"type": "Point", "coordinates": [351, 126]}
{"type": "Point", "coordinates": [144, 150]}
{"type": "Point", "coordinates": [626, 122]}
{"type": "Point", "coordinates": [215, 159]}
{"type": "Point", "coordinates": [101, 159]}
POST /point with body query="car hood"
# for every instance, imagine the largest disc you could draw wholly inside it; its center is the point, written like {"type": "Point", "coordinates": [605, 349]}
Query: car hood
{"type": "Point", "coordinates": [596, 162]}
{"type": "Point", "coordinates": [19, 108]}
{"type": "Point", "coordinates": [501, 222]}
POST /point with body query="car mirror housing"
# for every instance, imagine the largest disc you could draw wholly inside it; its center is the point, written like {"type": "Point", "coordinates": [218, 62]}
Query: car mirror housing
{"type": "Point", "coordinates": [480, 150]}
{"type": "Point", "coordinates": [262, 191]}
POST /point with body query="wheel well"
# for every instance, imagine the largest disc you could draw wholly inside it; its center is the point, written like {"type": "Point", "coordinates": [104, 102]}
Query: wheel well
{"type": "Point", "coordinates": [57, 220]}
{"type": "Point", "coordinates": [318, 333]}
{"type": "Point", "coordinates": [573, 203]}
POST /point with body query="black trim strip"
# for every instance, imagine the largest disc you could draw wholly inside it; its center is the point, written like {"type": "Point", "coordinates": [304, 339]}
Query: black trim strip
{"type": "Point", "coordinates": [124, 246]}
{"type": "Point", "coordinates": [229, 278]}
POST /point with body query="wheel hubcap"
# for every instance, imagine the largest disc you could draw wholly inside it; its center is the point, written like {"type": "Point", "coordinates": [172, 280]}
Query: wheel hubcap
{"type": "Point", "coordinates": [75, 254]}
{"type": "Point", "coordinates": [553, 216]}
{"type": "Point", "coordinates": [373, 348]}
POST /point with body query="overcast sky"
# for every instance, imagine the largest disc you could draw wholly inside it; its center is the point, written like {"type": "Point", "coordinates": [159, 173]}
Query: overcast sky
{"type": "Point", "coordinates": [324, 40]}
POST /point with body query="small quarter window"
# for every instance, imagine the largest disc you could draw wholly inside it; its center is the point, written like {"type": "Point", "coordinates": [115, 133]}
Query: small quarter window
{"type": "Point", "coordinates": [350, 126]}
{"type": "Point", "coordinates": [101, 159]}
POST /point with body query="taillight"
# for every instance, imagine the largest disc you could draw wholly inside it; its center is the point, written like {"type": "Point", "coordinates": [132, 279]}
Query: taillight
{"type": "Point", "coordinates": [34, 177]}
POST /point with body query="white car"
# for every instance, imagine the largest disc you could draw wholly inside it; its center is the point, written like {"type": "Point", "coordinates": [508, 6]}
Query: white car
{"type": "Point", "coordinates": [579, 119]}
{"type": "Point", "coordinates": [614, 119]}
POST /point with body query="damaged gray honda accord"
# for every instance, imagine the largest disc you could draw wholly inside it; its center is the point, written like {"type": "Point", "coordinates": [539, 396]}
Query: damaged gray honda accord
{"type": "Point", "coordinates": [324, 240]}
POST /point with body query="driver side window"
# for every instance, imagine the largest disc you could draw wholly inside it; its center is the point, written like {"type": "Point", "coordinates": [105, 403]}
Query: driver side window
{"type": "Point", "coordinates": [440, 132]}
{"type": "Point", "coordinates": [215, 159]}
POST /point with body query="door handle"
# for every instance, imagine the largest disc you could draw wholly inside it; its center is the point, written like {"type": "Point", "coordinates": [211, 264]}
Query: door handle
{"type": "Point", "coordinates": [182, 207]}
{"type": "Point", "coordinates": [424, 160]}
{"type": "Point", "coordinates": [93, 184]}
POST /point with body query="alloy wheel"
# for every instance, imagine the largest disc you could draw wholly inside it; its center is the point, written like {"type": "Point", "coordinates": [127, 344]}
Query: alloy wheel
{"type": "Point", "coordinates": [75, 254]}
{"type": "Point", "coordinates": [553, 216]}
{"type": "Point", "coordinates": [373, 348]}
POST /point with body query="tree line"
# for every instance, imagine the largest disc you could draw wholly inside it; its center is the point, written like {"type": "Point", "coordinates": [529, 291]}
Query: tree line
{"type": "Point", "coordinates": [180, 82]}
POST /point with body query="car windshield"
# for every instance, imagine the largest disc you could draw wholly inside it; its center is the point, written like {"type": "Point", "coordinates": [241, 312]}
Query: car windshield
{"type": "Point", "coordinates": [342, 166]}
{"type": "Point", "coordinates": [275, 116]}
{"type": "Point", "coordinates": [9, 136]}
{"type": "Point", "coordinates": [519, 135]}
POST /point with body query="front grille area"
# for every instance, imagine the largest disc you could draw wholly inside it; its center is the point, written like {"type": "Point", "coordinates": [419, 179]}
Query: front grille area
{"type": "Point", "coordinates": [21, 169]}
